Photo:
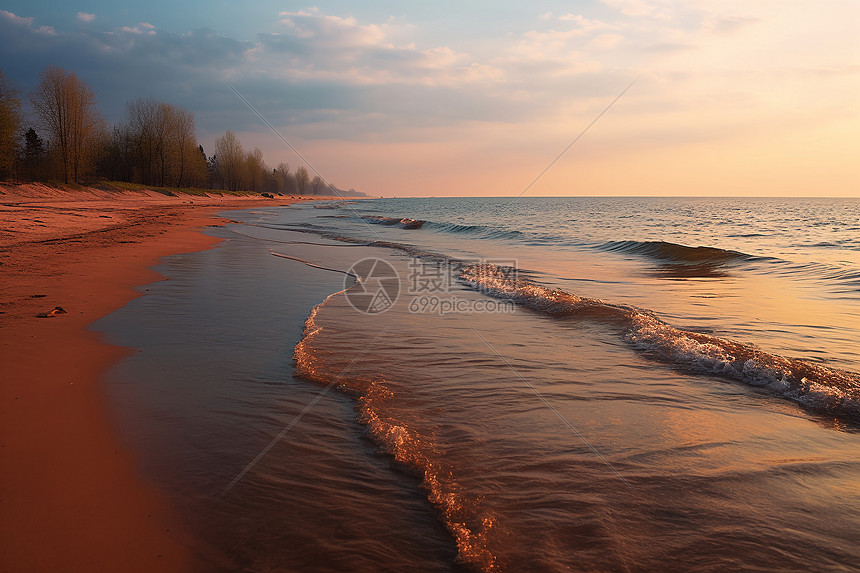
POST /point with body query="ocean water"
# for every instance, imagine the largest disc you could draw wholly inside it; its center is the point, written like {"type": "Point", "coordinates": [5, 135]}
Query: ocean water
{"type": "Point", "coordinates": [540, 384]}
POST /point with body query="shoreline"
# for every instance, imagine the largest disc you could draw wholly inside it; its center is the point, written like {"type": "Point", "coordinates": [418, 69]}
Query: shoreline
{"type": "Point", "coordinates": [71, 493]}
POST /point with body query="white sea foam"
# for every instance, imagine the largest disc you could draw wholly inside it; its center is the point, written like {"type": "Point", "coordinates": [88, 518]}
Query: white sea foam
{"type": "Point", "coordinates": [836, 392]}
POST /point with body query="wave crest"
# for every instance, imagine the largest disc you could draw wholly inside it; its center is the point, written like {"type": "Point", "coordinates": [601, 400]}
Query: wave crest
{"type": "Point", "coordinates": [469, 527]}
{"type": "Point", "coordinates": [403, 223]}
{"type": "Point", "coordinates": [675, 252]}
{"type": "Point", "coordinates": [835, 392]}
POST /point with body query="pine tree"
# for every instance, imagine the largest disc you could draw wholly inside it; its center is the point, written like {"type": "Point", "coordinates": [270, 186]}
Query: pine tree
{"type": "Point", "coordinates": [33, 163]}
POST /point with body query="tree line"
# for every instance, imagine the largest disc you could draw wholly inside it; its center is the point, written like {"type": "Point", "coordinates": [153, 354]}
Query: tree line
{"type": "Point", "coordinates": [68, 141]}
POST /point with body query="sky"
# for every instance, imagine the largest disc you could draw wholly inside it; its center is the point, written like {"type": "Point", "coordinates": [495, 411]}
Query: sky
{"type": "Point", "coordinates": [728, 97]}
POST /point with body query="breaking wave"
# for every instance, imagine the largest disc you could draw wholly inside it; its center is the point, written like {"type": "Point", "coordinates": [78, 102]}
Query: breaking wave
{"type": "Point", "coordinates": [673, 252]}
{"type": "Point", "coordinates": [417, 452]}
{"type": "Point", "coordinates": [481, 231]}
{"type": "Point", "coordinates": [403, 223]}
{"type": "Point", "coordinates": [478, 231]}
{"type": "Point", "coordinates": [335, 205]}
{"type": "Point", "coordinates": [663, 251]}
{"type": "Point", "coordinates": [827, 390]}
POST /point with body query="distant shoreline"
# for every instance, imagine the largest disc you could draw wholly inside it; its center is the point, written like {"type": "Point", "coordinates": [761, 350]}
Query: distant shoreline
{"type": "Point", "coordinates": [71, 494]}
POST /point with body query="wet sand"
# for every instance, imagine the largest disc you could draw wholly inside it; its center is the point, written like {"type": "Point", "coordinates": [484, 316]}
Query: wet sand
{"type": "Point", "coordinates": [70, 493]}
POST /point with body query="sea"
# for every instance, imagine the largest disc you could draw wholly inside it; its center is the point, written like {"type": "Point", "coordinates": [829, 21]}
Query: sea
{"type": "Point", "coordinates": [506, 384]}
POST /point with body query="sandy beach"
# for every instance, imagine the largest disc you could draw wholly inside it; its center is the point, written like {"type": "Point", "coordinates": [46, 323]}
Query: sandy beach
{"type": "Point", "coordinates": [71, 496]}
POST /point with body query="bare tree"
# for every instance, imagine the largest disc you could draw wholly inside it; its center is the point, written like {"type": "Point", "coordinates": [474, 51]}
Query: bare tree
{"type": "Point", "coordinates": [165, 150]}
{"type": "Point", "coordinates": [10, 125]}
{"type": "Point", "coordinates": [282, 171]}
{"type": "Point", "coordinates": [164, 142]}
{"type": "Point", "coordinates": [254, 167]}
{"type": "Point", "coordinates": [231, 159]}
{"type": "Point", "coordinates": [317, 184]}
{"type": "Point", "coordinates": [67, 110]}
{"type": "Point", "coordinates": [140, 132]}
{"type": "Point", "coordinates": [185, 144]}
{"type": "Point", "coordinates": [286, 181]}
{"type": "Point", "coordinates": [302, 179]}
{"type": "Point", "coordinates": [198, 168]}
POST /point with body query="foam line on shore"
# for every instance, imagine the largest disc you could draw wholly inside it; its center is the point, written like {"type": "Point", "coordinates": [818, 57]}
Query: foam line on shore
{"type": "Point", "coordinates": [310, 264]}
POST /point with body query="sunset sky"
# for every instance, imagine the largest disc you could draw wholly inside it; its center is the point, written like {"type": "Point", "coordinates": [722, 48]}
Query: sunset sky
{"type": "Point", "coordinates": [731, 97]}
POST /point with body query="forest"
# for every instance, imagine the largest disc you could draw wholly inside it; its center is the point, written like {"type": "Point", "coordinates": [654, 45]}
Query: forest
{"type": "Point", "coordinates": [66, 140]}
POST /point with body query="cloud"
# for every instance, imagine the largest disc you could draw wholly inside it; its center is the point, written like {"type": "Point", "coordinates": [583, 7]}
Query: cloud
{"type": "Point", "coordinates": [86, 17]}
{"type": "Point", "coordinates": [141, 28]}
{"type": "Point", "coordinates": [27, 23]}
{"type": "Point", "coordinates": [18, 20]}
{"type": "Point", "coordinates": [657, 9]}
{"type": "Point", "coordinates": [315, 46]}
{"type": "Point", "coordinates": [332, 31]}
{"type": "Point", "coordinates": [710, 70]}
{"type": "Point", "coordinates": [583, 23]}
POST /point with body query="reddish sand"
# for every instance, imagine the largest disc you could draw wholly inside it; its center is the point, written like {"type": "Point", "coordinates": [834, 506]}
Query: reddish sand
{"type": "Point", "coordinates": [71, 498]}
